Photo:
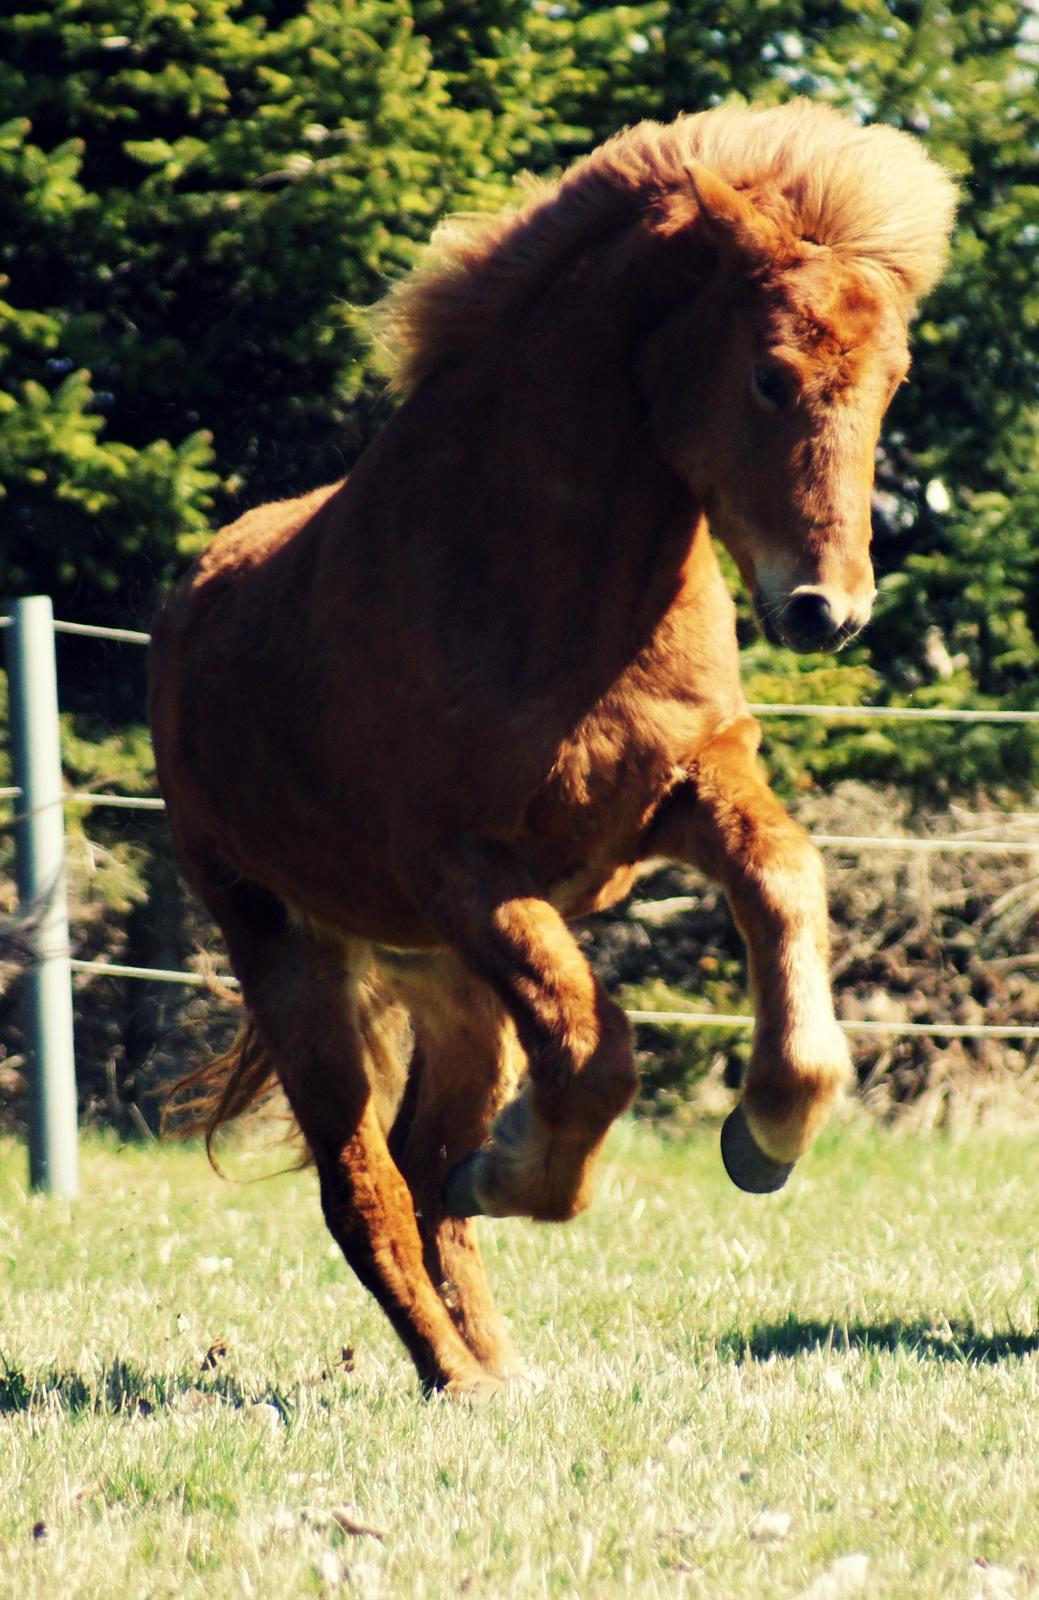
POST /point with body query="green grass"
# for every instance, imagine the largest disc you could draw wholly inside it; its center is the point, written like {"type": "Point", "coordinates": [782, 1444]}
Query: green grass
{"type": "Point", "coordinates": [738, 1392]}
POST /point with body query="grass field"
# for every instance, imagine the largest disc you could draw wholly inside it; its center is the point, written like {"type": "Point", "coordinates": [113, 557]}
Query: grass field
{"type": "Point", "coordinates": [829, 1392]}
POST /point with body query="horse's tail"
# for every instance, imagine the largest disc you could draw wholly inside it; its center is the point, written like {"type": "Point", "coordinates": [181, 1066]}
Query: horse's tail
{"type": "Point", "coordinates": [221, 1089]}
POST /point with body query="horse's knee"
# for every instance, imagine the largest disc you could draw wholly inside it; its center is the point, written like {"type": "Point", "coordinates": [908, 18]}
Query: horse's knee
{"type": "Point", "coordinates": [583, 1097]}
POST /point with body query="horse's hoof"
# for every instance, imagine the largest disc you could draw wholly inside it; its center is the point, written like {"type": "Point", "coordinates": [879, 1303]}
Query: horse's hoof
{"type": "Point", "coordinates": [460, 1196]}
{"type": "Point", "coordinates": [746, 1163]}
{"type": "Point", "coordinates": [476, 1389]}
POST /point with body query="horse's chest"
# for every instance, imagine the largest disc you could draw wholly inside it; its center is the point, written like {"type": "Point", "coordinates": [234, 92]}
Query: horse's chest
{"type": "Point", "coordinates": [607, 782]}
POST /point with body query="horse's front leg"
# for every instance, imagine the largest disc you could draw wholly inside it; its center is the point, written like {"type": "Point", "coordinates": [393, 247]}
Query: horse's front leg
{"type": "Point", "coordinates": [581, 1072]}
{"type": "Point", "coordinates": [727, 822]}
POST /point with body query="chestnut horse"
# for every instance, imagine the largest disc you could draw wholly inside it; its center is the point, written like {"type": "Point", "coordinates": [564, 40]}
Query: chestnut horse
{"type": "Point", "coordinates": [409, 724]}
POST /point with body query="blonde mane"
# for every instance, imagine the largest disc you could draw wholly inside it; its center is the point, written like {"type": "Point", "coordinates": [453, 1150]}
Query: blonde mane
{"type": "Point", "coordinates": [871, 194]}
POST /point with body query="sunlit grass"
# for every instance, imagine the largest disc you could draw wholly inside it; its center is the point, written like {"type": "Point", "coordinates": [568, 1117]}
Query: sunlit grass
{"type": "Point", "coordinates": [738, 1392]}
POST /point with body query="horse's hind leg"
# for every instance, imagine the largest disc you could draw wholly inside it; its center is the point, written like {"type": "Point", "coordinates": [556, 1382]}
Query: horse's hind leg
{"type": "Point", "coordinates": [467, 1060]}
{"type": "Point", "coordinates": [302, 991]}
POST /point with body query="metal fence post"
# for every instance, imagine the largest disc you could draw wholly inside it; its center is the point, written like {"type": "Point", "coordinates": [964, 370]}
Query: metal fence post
{"type": "Point", "coordinates": [40, 840]}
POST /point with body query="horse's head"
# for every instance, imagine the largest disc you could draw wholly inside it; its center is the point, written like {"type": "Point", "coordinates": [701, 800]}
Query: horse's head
{"type": "Point", "coordinates": [768, 387]}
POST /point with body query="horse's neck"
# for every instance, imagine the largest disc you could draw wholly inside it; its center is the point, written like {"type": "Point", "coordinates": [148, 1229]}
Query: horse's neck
{"type": "Point", "coordinates": [535, 469]}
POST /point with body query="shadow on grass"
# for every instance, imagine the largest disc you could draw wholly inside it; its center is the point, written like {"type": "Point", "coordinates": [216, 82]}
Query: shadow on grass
{"type": "Point", "coordinates": [120, 1388]}
{"type": "Point", "coordinates": [928, 1341]}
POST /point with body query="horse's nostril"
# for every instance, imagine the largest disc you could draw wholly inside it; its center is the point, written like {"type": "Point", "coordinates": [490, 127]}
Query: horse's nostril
{"type": "Point", "coordinates": [808, 620]}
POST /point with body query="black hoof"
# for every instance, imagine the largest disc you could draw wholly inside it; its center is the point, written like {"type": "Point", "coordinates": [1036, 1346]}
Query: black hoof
{"type": "Point", "coordinates": [747, 1165]}
{"type": "Point", "coordinates": [460, 1197]}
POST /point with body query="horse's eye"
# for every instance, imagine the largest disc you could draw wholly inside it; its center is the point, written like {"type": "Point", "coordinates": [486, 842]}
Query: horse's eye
{"type": "Point", "coordinates": [773, 385]}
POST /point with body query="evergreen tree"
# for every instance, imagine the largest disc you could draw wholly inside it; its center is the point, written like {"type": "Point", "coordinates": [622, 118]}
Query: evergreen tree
{"type": "Point", "coordinates": [196, 196]}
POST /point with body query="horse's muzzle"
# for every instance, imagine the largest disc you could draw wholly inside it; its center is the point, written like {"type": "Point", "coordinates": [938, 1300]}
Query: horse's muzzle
{"type": "Point", "coordinates": [807, 621]}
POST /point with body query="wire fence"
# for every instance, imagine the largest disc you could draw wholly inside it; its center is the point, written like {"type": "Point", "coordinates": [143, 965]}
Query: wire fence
{"type": "Point", "coordinates": [966, 844]}
{"type": "Point", "coordinates": [895, 713]}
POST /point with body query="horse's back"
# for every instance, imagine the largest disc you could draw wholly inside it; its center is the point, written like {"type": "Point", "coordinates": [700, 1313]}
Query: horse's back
{"type": "Point", "coordinates": [215, 592]}
{"type": "Point", "coordinates": [234, 704]}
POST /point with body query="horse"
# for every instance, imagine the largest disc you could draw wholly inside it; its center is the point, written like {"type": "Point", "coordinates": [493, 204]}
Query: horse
{"type": "Point", "coordinates": [410, 724]}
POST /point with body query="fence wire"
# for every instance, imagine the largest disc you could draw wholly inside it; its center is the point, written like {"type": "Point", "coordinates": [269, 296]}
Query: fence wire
{"type": "Point", "coordinates": [952, 844]}
{"type": "Point", "coordinates": [669, 1019]}
{"type": "Point", "coordinates": [663, 1019]}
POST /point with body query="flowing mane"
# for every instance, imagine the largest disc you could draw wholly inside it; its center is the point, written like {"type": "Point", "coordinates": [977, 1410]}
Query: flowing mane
{"type": "Point", "coordinates": [871, 194]}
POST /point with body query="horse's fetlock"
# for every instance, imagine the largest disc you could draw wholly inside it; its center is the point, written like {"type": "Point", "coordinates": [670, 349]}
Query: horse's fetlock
{"type": "Point", "coordinates": [511, 1130]}
{"type": "Point", "coordinates": [563, 1207]}
{"type": "Point", "coordinates": [784, 1115]}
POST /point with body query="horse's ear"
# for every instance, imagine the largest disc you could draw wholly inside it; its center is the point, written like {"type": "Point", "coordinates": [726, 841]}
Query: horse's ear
{"type": "Point", "coordinates": [730, 216]}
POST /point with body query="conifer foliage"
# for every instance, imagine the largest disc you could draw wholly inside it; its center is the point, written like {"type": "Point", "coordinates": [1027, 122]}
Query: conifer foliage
{"type": "Point", "coordinates": [196, 196]}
